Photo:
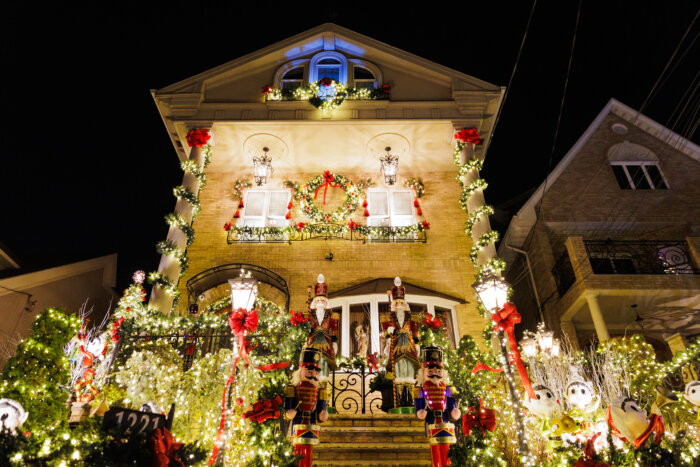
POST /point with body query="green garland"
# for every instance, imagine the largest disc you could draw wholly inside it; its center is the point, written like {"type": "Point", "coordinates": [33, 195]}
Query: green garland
{"type": "Point", "coordinates": [310, 92]}
{"type": "Point", "coordinates": [417, 185]}
{"type": "Point", "coordinates": [239, 187]}
{"type": "Point", "coordinates": [166, 247]}
{"type": "Point", "coordinates": [176, 220]}
{"type": "Point", "coordinates": [475, 215]}
{"type": "Point", "coordinates": [330, 229]}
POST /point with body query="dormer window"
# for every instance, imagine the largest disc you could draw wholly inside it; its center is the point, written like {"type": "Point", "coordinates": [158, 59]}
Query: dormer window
{"type": "Point", "coordinates": [328, 64]}
{"type": "Point", "coordinates": [364, 78]}
{"type": "Point", "coordinates": [293, 79]}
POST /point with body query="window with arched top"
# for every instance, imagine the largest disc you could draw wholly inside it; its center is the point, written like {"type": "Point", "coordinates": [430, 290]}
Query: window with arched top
{"type": "Point", "coordinates": [328, 64]}
{"type": "Point", "coordinates": [293, 79]}
{"type": "Point", "coordinates": [363, 78]}
{"type": "Point", "coordinates": [636, 167]}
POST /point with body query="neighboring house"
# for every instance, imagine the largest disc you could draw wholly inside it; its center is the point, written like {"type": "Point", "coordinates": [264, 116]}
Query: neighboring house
{"type": "Point", "coordinates": [23, 295]}
{"type": "Point", "coordinates": [427, 103]}
{"type": "Point", "coordinates": [613, 236]}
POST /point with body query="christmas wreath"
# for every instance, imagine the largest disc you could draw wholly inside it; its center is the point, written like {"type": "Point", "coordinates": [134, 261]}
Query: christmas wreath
{"type": "Point", "coordinates": [325, 94]}
{"type": "Point", "coordinates": [308, 193]}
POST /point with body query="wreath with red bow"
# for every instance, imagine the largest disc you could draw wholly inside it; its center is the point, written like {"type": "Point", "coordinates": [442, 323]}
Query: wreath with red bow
{"type": "Point", "coordinates": [309, 192]}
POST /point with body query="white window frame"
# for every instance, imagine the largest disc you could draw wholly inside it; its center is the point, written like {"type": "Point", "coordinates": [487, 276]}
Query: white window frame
{"type": "Point", "coordinates": [374, 300]}
{"type": "Point", "coordinates": [369, 66]}
{"type": "Point", "coordinates": [289, 66]}
{"type": "Point", "coordinates": [643, 165]}
{"type": "Point", "coordinates": [266, 209]}
{"type": "Point", "coordinates": [390, 208]}
{"type": "Point", "coordinates": [343, 66]}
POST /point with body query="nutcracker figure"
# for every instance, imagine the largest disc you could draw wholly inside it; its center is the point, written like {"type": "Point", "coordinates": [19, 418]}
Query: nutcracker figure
{"type": "Point", "coordinates": [401, 328]}
{"type": "Point", "coordinates": [305, 405]}
{"type": "Point", "coordinates": [434, 402]}
{"type": "Point", "coordinates": [324, 328]}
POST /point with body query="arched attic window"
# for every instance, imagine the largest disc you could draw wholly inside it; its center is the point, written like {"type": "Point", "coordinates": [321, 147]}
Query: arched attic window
{"type": "Point", "coordinates": [365, 75]}
{"type": "Point", "coordinates": [291, 75]}
{"type": "Point", "coordinates": [636, 167]}
{"type": "Point", "coordinates": [329, 64]}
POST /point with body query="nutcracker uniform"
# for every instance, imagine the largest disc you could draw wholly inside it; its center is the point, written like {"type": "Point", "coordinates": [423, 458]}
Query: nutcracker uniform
{"type": "Point", "coordinates": [309, 401]}
{"type": "Point", "coordinates": [437, 399]}
{"type": "Point", "coordinates": [324, 331]}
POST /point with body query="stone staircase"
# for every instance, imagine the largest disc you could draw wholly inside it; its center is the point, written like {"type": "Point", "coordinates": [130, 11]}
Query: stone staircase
{"type": "Point", "coordinates": [376, 440]}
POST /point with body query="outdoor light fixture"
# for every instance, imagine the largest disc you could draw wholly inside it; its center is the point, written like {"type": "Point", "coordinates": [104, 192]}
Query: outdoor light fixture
{"type": "Point", "coordinates": [492, 290]}
{"type": "Point", "coordinates": [262, 167]}
{"type": "Point", "coordinates": [244, 291]}
{"type": "Point", "coordinates": [529, 347]}
{"type": "Point", "coordinates": [546, 340]}
{"type": "Point", "coordinates": [389, 166]}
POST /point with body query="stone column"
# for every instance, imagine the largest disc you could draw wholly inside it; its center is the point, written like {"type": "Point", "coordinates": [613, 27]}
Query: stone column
{"type": "Point", "coordinates": [169, 266]}
{"type": "Point", "coordinates": [568, 331]}
{"type": "Point", "coordinates": [676, 343]}
{"type": "Point", "coordinates": [597, 317]}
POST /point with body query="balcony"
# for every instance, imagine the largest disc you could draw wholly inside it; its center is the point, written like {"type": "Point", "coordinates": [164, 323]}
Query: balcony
{"type": "Point", "coordinates": [563, 274]}
{"type": "Point", "coordinates": [408, 234]}
{"type": "Point", "coordinates": [639, 257]}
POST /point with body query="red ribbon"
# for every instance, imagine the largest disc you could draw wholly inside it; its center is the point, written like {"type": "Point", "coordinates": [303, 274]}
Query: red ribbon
{"type": "Point", "coordinates": [328, 178]}
{"type": "Point", "coordinates": [481, 418]}
{"type": "Point", "coordinates": [273, 366]}
{"type": "Point", "coordinates": [588, 458]}
{"type": "Point", "coordinates": [482, 366]}
{"type": "Point", "coordinates": [656, 423]}
{"type": "Point", "coordinates": [373, 362]}
{"type": "Point", "coordinates": [468, 135]}
{"type": "Point", "coordinates": [240, 321]}
{"type": "Point", "coordinates": [165, 448]}
{"type": "Point", "coordinates": [264, 410]}
{"type": "Point", "coordinates": [432, 323]}
{"type": "Point", "coordinates": [506, 318]}
{"type": "Point", "coordinates": [297, 318]}
{"type": "Point", "coordinates": [116, 324]}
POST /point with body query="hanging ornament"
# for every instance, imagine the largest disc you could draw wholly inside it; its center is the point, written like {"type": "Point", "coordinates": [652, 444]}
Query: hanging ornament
{"type": "Point", "coordinates": [419, 212]}
{"type": "Point", "coordinates": [288, 216]}
{"type": "Point", "coordinates": [289, 206]}
{"type": "Point", "coordinates": [364, 203]}
{"type": "Point", "coordinates": [366, 212]}
{"type": "Point", "coordinates": [352, 225]}
{"type": "Point", "coordinates": [238, 214]}
{"type": "Point", "coordinates": [240, 204]}
{"type": "Point", "coordinates": [416, 203]}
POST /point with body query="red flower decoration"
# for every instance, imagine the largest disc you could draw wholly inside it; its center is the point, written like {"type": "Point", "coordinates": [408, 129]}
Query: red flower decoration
{"type": "Point", "coordinates": [242, 320]}
{"type": "Point", "coordinates": [432, 323]}
{"type": "Point", "coordinates": [297, 318]}
{"type": "Point", "coordinates": [288, 215]}
{"type": "Point", "coordinates": [386, 88]}
{"type": "Point", "coordinates": [425, 225]}
{"type": "Point", "coordinates": [267, 89]}
{"type": "Point", "coordinates": [468, 135]}
{"type": "Point", "coordinates": [352, 225]}
{"type": "Point", "coordinates": [264, 410]}
{"type": "Point", "coordinates": [237, 215]}
{"type": "Point", "coordinates": [326, 82]}
{"type": "Point", "coordinates": [198, 137]}
{"type": "Point", "coordinates": [228, 226]}
{"type": "Point", "coordinates": [327, 218]}
{"type": "Point", "coordinates": [419, 212]}
{"type": "Point", "coordinates": [300, 226]}
{"type": "Point", "coordinates": [165, 448]}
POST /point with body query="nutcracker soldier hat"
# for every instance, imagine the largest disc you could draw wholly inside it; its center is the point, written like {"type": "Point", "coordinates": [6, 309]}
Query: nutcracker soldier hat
{"type": "Point", "coordinates": [432, 357]}
{"type": "Point", "coordinates": [321, 288]}
{"type": "Point", "coordinates": [310, 358]}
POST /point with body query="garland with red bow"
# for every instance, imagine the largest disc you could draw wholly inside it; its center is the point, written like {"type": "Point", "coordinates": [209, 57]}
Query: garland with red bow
{"type": "Point", "coordinates": [432, 323]}
{"type": "Point", "coordinates": [468, 135]}
{"type": "Point", "coordinates": [198, 137]}
{"type": "Point", "coordinates": [309, 192]}
{"type": "Point", "coordinates": [165, 448]}
{"type": "Point", "coordinates": [241, 322]}
{"type": "Point", "coordinates": [506, 318]}
{"type": "Point", "coordinates": [482, 419]}
{"type": "Point", "coordinates": [264, 410]}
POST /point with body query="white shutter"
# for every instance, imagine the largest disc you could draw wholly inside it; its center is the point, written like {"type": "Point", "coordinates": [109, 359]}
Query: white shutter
{"type": "Point", "coordinates": [402, 208]}
{"type": "Point", "coordinates": [254, 210]}
{"type": "Point", "coordinates": [378, 205]}
{"type": "Point", "coordinates": [277, 208]}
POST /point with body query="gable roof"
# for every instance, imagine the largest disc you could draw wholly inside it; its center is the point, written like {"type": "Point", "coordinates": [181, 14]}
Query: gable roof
{"type": "Point", "coordinates": [521, 224]}
{"type": "Point", "coordinates": [327, 36]}
{"type": "Point", "coordinates": [380, 286]}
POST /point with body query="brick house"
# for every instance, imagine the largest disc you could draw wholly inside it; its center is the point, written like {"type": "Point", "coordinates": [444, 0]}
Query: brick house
{"type": "Point", "coordinates": [613, 237]}
{"type": "Point", "coordinates": [416, 119]}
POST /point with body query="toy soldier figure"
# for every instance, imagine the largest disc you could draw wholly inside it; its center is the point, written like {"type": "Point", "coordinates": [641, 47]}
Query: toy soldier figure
{"type": "Point", "coordinates": [434, 401]}
{"type": "Point", "coordinates": [324, 328]}
{"type": "Point", "coordinates": [401, 327]}
{"type": "Point", "coordinates": [305, 404]}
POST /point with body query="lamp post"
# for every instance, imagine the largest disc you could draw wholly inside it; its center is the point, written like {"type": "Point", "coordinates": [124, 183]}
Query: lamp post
{"type": "Point", "coordinates": [492, 291]}
{"type": "Point", "coordinates": [244, 291]}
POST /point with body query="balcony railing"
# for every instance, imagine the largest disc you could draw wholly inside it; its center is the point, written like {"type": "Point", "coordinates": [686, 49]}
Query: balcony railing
{"type": "Point", "coordinates": [563, 274]}
{"type": "Point", "coordinates": [640, 257]}
{"type": "Point", "coordinates": [407, 234]}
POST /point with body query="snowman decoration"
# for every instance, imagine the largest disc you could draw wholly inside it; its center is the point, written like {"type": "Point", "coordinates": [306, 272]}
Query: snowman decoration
{"type": "Point", "coordinates": [12, 415]}
{"type": "Point", "coordinates": [692, 394]}
{"type": "Point", "coordinates": [581, 396]}
{"type": "Point", "coordinates": [545, 405]}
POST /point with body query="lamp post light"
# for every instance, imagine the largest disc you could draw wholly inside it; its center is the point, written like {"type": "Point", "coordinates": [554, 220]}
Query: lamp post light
{"type": "Point", "coordinates": [262, 167]}
{"type": "Point", "coordinates": [492, 291]}
{"type": "Point", "coordinates": [244, 291]}
{"type": "Point", "coordinates": [389, 166]}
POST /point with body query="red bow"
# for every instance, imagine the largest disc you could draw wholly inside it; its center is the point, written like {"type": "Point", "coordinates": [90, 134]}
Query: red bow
{"type": "Point", "coordinates": [242, 320]}
{"type": "Point", "coordinates": [468, 135]}
{"type": "Point", "coordinates": [328, 178]}
{"type": "Point", "coordinates": [297, 318]}
{"type": "Point", "coordinates": [165, 448]}
{"type": "Point", "coordinates": [198, 137]}
{"type": "Point", "coordinates": [506, 318]}
{"type": "Point", "coordinates": [267, 89]}
{"type": "Point", "coordinates": [300, 226]}
{"type": "Point", "coordinates": [352, 224]}
{"type": "Point", "coordinates": [432, 323]}
{"type": "Point", "coordinates": [264, 410]}
{"type": "Point", "coordinates": [116, 324]}
{"type": "Point", "coordinates": [373, 362]}
{"type": "Point", "coordinates": [326, 82]}
{"type": "Point", "coordinates": [482, 366]}
{"type": "Point", "coordinates": [588, 458]}
{"type": "Point", "coordinates": [482, 419]}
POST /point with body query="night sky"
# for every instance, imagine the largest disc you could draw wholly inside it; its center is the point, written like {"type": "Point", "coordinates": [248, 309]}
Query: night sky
{"type": "Point", "coordinates": [87, 167]}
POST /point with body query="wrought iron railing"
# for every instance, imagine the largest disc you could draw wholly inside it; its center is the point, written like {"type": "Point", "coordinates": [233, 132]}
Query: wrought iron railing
{"type": "Point", "coordinates": [327, 232]}
{"type": "Point", "coordinates": [563, 274]}
{"type": "Point", "coordinates": [349, 392]}
{"type": "Point", "coordinates": [640, 257]}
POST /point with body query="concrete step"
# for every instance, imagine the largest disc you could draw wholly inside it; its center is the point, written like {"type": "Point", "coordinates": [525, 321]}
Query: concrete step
{"type": "Point", "coordinates": [373, 463]}
{"type": "Point", "coordinates": [372, 434]}
{"type": "Point", "coordinates": [374, 451]}
{"type": "Point", "coordinates": [375, 420]}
